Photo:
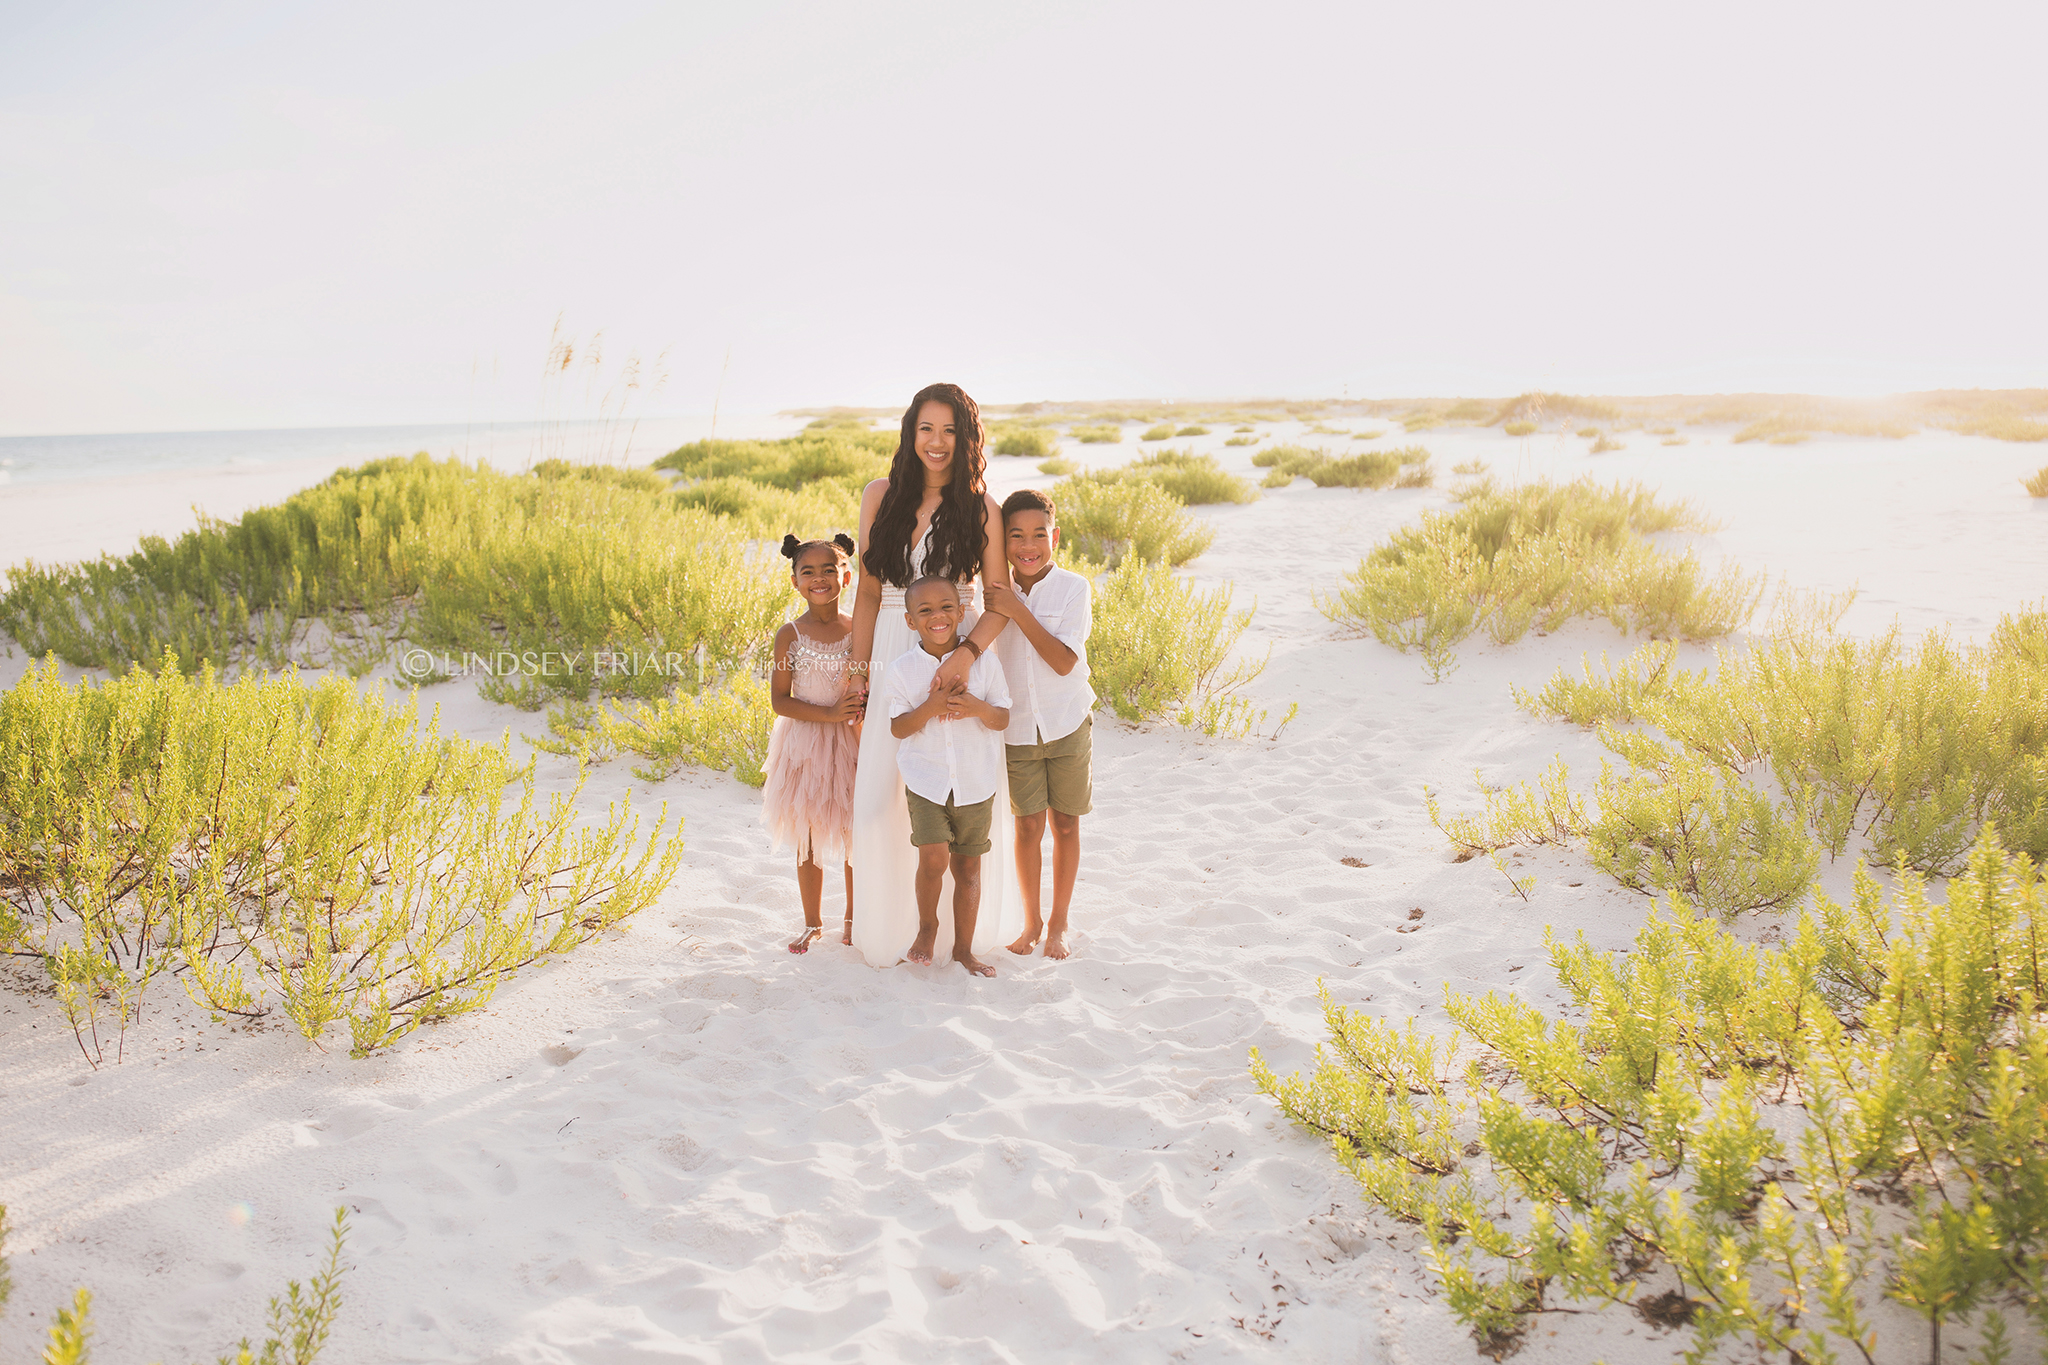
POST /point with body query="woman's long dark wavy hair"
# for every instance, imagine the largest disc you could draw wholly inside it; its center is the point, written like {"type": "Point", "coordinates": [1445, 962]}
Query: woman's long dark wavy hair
{"type": "Point", "coordinates": [960, 522]}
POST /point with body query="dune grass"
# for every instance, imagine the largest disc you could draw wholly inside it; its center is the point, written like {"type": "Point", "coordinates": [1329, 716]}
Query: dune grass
{"type": "Point", "coordinates": [1519, 428]}
{"type": "Point", "coordinates": [1242, 441]}
{"type": "Point", "coordinates": [1372, 435]}
{"type": "Point", "coordinates": [1469, 468]}
{"type": "Point", "coordinates": [1676, 440]}
{"type": "Point", "coordinates": [2005, 427]}
{"type": "Point", "coordinates": [1408, 467]}
{"type": "Point", "coordinates": [1033, 442]}
{"type": "Point", "coordinates": [1163, 432]}
{"type": "Point", "coordinates": [299, 1322]}
{"type": "Point", "coordinates": [1854, 1114]}
{"type": "Point", "coordinates": [1097, 435]}
{"type": "Point", "coordinates": [1542, 407]}
{"type": "Point", "coordinates": [1605, 443]}
{"type": "Point", "coordinates": [1058, 466]}
{"type": "Point", "coordinates": [456, 559]}
{"type": "Point", "coordinates": [274, 846]}
{"type": "Point", "coordinates": [1161, 648]}
{"type": "Point", "coordinates": [1194, 430]}
{"type": "Point", "coordinates": [1110, 521]}
{"type": "Point", "coordinates": [2036, 483]}
{"type": "Point", "coordinates": [1192, 479]}
{"type": "Point", "coordinates": [1507, 560]}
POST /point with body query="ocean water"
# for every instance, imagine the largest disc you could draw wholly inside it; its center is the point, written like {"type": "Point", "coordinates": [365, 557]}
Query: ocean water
{"type": "Point", "coordinates": [26, 460]}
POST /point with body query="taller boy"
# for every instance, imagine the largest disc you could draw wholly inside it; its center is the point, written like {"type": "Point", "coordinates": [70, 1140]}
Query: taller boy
{"type": "Point", "coordinates": [1049, 740]}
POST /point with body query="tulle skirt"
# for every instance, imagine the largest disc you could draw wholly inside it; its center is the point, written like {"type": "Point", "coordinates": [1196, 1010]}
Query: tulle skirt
{"type": "Point", "coordinates": [884, 861]}
{"type": "Point", "coordinates": [808, 797]}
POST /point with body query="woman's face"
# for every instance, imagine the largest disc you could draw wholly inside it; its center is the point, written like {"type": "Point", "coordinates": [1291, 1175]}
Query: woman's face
{"type": "Point", "coordinates": [935, 439]}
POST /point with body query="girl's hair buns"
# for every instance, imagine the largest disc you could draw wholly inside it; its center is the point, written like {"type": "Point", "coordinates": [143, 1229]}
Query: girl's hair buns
{"type": "Point", "coordinates": [792, 547]}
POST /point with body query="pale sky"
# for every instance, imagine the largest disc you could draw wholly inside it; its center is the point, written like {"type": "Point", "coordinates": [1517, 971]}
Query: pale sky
{"type": "Point", "coordinates": [249, 215]}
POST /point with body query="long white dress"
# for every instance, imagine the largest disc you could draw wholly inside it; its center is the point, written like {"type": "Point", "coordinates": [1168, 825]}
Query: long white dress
{"type": "Point", "coordinates": [884, 861]}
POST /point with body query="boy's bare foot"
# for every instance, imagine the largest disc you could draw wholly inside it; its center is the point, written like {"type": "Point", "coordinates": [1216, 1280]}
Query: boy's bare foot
{"type": "Point", "coordinates": [974, 965]}
{"type": "Point", "coordinates": [1056, 944]}
{"type": "Point", "coordinates": [1027, 940]}
{"type": "Point", "coordinates": [921, 947]}
{"type": "Point", "coordinates": [846, 934]}
{"type": "Point", "coordinates": [802, 943]}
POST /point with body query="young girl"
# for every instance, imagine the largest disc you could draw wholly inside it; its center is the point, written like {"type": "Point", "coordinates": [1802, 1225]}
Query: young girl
{"type": "Point", "coordinates": [808, 797]}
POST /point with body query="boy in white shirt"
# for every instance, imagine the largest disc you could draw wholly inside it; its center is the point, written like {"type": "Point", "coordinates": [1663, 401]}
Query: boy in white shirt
{"type": "Point", "coordinates": [950, 752]}
{"type": "Point", "coordinates": [1050, 739]}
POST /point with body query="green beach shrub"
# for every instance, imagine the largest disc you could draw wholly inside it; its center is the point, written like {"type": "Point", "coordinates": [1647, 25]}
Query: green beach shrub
{"type": "Point", "coordinates": [1035, 442]}
{"type": "Point", "coordinates": [1407, 467]}
{"type": "Point", "coordinates": [1163, 432]}
{"type": "Point", "coordinates": [1915, 747]}
{"type": "Point", "coordinates": [1191, 478]}
{"type": "Point", "coordinates": [1058, 466]}
{"type": "Point", "coordinates": [1277, 478]}
{"type": "Point", "coordinates": [1192, 431]}
{"type": "Point", "coordinates": [1806, 1146]}
{"type": "Point", "coordinates": [1160, 647]}
{"type": "Point", "coordinates": [725, 731]}
{"type": "Point", "coordinates": [1111, 521]}
{"type": "Point", "coordinates": [1519, 428]}
{"type": "Point", "coordinates": [272, 845]}
{"type": "Point", "coordinates": [1241, 441]}
{"type": "Point", "coordinates": [459, 560]}
{"type": "Point", "coordinates": [1097, 435]}
{"type": "Point", "coordinates": [1538, 555]}
{"type": "Point", "coordinates": [300, 1322]}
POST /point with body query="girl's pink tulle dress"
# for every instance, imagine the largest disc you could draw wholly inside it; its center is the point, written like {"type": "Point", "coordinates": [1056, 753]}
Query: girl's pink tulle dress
{"type": "Point", "coordinates": [808, 797]}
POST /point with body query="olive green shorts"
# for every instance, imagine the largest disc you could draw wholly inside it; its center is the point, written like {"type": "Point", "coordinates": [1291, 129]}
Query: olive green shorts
{"type": "Point", "coordinates": [963, 829]}
{"type": "Point", "coordinates": [1059, 774]}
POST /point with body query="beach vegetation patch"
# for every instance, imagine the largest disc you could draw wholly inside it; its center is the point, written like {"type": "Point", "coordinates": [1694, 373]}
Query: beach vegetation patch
{"type": "Point", "coordinates": [1058, 466]}
{"type": "Point", "coordinates": [299, 1322]}
{"type": "Point", "coordinates": [2036, 483]}
{"type": "Point", "coordinates": [1163, 432]}
{"type": "Point", "coordinates": [1507, 560]}
{"type": "Point", "coordinates": [1542, 407]}
{"type": "Point", "coordinates": [1241, 441]}
{"type": "Point", "coordinates": [1519, 428]}
{"type": "Point", "coordinates": [1915, 748]}
{"type": "Point", "coordinates": [460, 560]}
{"type": "Point", "coordinates": [1110, 521]}
{"type": "Point", "coordinates": [1803, 1149]}
{"type": "Point", "coordinates": [1407, 467]}
{"type": "Point", "coordinates": [1190, 478]}
{"type": "Point", "coordinates": [1192, 431]}
{"type": "Point", "coordinates": [1035, 442]}
{"type": "Point", "coordinates": [274, 846]}
{"type": "Point", "coordinates": [1097, 435]}
{"type": "Point", "coordinates": [1159, 647]}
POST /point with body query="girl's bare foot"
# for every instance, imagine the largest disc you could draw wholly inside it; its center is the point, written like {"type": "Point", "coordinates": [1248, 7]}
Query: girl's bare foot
{"type": "Point", "coordinates": [1027, 940]}
{"type": "Point", "coordinates": [921, 947]}
{"type": "Point", "coordinates": [846, 934]}
{"type": "Point", "coordinates": [974, 965]}
{"type": "Point", "coordinates": [802, 943]}
{"type": "Point", "coordinates": [1056, 944]}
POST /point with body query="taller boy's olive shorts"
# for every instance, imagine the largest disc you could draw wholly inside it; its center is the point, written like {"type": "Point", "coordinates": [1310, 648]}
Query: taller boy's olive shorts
{"type": "Point", "coordinates": [1059, 774]}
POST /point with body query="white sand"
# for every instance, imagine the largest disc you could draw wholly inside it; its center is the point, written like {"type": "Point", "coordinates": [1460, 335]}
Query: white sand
{"type": "Point", "coordinates": [751, 1156]}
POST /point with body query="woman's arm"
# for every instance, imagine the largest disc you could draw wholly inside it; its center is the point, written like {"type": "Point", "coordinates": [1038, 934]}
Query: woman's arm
{"type": "Point", "coordinates": [867, 597]}
{"type": "Point", "coordinates": [995, 568]}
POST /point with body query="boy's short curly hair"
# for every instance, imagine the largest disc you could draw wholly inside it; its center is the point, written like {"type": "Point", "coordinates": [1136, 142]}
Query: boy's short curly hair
{"type": "Point", "coordinates": [1029, 500]}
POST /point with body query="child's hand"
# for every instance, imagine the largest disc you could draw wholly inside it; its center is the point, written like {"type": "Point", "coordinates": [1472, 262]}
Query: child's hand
{"type": "Point", "coordinates": [959, 702]}
{"type": "Point", "coordinates": [848, 708]}
{"type": "Point", "coordinates": [1001, 599]}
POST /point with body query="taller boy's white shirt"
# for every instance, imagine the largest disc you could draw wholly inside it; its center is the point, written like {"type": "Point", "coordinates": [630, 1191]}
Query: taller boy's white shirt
{"type": "Point", "coordinates": [962, 758]}
{"type": "Point", "coordinates": [1049, 706]}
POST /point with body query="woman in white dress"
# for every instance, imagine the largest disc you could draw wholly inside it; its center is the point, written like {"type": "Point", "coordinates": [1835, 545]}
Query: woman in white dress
{"type": "Point", "coordinates": [932, 515]}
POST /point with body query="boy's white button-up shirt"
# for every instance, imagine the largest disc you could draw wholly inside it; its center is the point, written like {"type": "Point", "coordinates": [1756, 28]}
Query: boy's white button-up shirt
{"type": "Point", "coordinates": [959, 758]}
{"type": "Point", "coordinates": [1049, 706]}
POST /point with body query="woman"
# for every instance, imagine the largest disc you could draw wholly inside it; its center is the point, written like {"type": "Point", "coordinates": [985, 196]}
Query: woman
{"type": "Point", "coordinates": [932, 515]}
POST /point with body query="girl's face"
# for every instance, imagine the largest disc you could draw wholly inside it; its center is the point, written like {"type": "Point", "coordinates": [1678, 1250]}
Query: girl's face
{"type": "Point", "coordinates": [935, 433]}
{"type": "Point", "coordinates": [820, 575]}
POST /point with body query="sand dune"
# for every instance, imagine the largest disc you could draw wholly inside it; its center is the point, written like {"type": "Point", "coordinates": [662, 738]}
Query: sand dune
{"type": "Point", "coordinates": [684, 1142]}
